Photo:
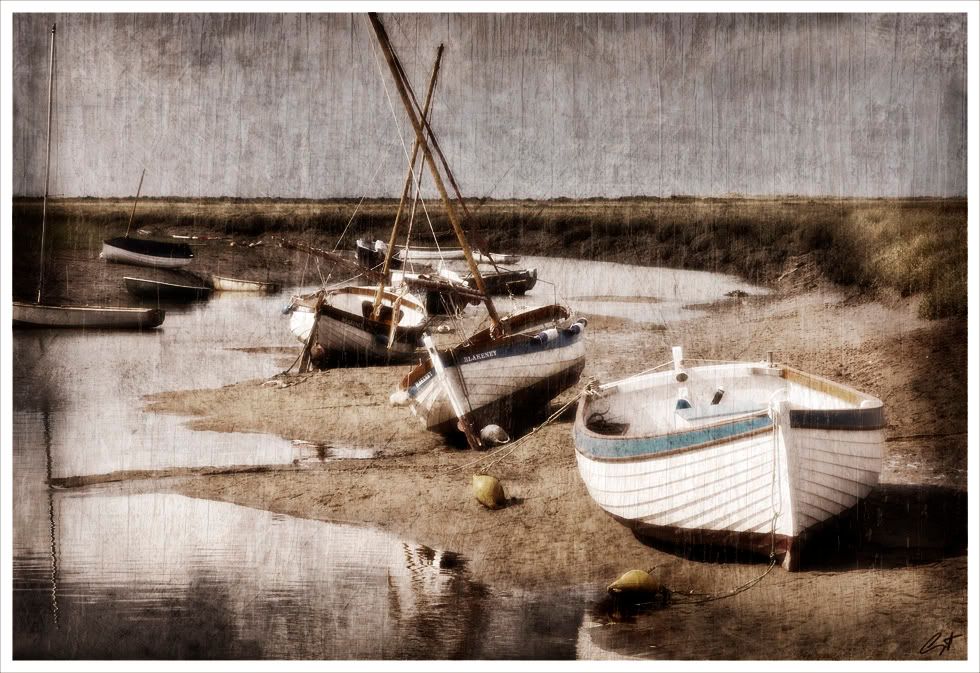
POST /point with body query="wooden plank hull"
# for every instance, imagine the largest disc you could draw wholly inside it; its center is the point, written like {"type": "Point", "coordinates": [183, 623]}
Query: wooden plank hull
{"type": "Point", "coordinates": [502, 384]}
{"type": "Point", "coordinates": [161, 291]}
{"type": "Point", "coordinates": [225, 284]}
{"type": "Point", "coordinates": [92, 317]}
{"type": "Point", "coordinates": [138, 252]}
{"type": "Point", "coordinates": [350, 338]}
{"type": "Point", "coordinates": [749, 480]}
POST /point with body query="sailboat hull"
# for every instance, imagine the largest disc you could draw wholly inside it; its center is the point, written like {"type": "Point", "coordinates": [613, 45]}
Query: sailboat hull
{"type": "Point", "coordinates": [503, 384]}
{"type": "Point", "coordinates": [140, 252]}
{"type": "Point", "coordinates": [92, 317]}
{"type": "Point", "coordinates": [351, 338]}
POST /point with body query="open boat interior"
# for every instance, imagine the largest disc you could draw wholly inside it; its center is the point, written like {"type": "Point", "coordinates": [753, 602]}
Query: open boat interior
{"type": "Point", "coordinates": [660, 403]}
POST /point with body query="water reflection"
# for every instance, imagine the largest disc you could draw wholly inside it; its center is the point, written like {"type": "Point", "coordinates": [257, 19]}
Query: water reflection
{"type": "Point", "coordinates": [164, 576]}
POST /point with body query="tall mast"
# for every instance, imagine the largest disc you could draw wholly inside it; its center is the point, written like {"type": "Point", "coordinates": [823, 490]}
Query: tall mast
{"type": "Point", "coordinates": [135, 201]}
{"type": "Point", "coordinates": [47, 165]}
{"type": "Point", "coordinates": [408, 183]}
{"type": "Point", "coordinates": [403, 86]}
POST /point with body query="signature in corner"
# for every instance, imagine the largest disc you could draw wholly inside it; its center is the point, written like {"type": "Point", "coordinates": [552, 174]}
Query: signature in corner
{"type": "Point", "coordinates": [937, 642]}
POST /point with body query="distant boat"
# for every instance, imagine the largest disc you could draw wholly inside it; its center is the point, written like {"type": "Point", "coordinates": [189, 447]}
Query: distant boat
{"type": "Point", "coordinates": [371, 257]}
{"type": "Point", "coordinates": [93, 317]}
{"type": "Point", "coordinates": [504, 378]}
{"type": "Point", "coordinates": [146, 252]}
{"type": "Point", "coordinates": [38, 314]}
{"type": "Point", "coordinates": [506, 281]}
{"type": "Point", "coordinates": [346, 330]}
{"type": "Point", "coordinates": [162, 291]}
{"type": "Point", "coordinates": [745, 454]}
{"type": "Point", "coordinates": [225, 284]}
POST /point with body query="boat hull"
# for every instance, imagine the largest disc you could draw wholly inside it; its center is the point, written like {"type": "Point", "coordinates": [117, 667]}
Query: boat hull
{"type": "Point", "coordinates": [345, 337]}
{"type": "Point", "coordinates": [224, 284]}
{"type": "Point", "coordinates": [92, 317]}
{"type": "Point", "coordinates": [755, 481]}
{"type": "Point", "coordinates": [161, 291]}
{"type": "Point", "coordinates": [140, 252]}
{"type": "Point", "coordinates": [515, 282]}
{"type": "Point", "coordinates": [502, 384]}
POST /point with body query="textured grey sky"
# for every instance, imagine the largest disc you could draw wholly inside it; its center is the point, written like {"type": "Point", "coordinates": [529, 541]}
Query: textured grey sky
{"type": "Point", "coordinates": [528, 105]}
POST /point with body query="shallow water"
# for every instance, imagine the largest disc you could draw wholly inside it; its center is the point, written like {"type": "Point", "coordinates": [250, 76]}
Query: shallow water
{"type": "Point", "coordinates": [106, 572]}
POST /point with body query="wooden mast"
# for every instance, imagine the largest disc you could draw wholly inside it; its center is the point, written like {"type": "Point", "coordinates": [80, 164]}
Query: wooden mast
{"type": "Point", "coordinates": [139, 188]}
{"type": "Point", "coordinates": [403, 86]}
{"type": "Point", "coordinates": [405, 191]}
{"type": "Point", "coordinates": [47, 165]}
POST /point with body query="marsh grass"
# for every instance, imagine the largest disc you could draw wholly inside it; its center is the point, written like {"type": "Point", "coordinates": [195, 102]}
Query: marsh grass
{"type": "Point", "coordinates": [913, 246]}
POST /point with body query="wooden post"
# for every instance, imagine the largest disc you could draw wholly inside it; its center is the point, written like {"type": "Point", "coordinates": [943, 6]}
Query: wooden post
{"type": "Point", "coordinates": [47, 165]}
{"type": "Point", "coordinates": [138, 189]}
{"type": "Point", "coordinates": [408, 183]}
{"type": "Point", "coordinates": [402, 87]}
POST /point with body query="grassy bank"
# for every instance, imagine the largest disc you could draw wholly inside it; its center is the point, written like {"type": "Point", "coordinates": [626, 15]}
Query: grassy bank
{"type": "Point", "coordinates": [912, 246]}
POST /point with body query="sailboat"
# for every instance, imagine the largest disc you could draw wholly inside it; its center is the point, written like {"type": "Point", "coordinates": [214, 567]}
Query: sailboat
{"type": "Point", "coordinates": [509, 370]}
{"type": "Point", "coordinates": [144, 251]}
{"type": "Point", "coordinates": [366, 324]}
{"type": "Point", "coordinates": [39, 314]}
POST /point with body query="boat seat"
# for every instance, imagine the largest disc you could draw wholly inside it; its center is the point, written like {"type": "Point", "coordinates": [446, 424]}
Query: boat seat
{"type": "Point", "coordinates": [700, 412]}
{"type": "Point", "coordinates": [384, 315]}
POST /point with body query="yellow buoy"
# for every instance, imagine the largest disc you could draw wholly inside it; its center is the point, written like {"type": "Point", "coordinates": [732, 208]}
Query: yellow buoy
{"type": "Point", "coordinates": [488, 491]}
{"type": "Point", "coordinates": [635, 582]}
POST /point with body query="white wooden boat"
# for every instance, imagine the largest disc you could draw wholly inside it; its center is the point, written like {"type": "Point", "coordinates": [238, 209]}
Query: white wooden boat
{"type": "Point", "coordinates": [751, 455]}
{"type": "Point", "coordinates": [423, 254]}
{"type": "Point", "coordinates": [145, 252]}
{"type": "Point", "coordinates": [225, 284]}
{"type": "Point", "coordinates": [92, 317]}
{"type": "Point", "coordinates": [502, 379]}
{"type": "Point", "coordinates": [346, 331]}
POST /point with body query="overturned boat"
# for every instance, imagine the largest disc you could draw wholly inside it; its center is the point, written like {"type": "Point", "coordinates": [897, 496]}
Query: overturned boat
{"type": "Point", "coordinates": [745, 454]}
{"type": "Point", "coordinates": [159, 290]}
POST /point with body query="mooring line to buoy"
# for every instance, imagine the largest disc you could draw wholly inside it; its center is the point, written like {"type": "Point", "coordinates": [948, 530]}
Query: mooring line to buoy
{"type": "Point", "coordinates": [508, 449]}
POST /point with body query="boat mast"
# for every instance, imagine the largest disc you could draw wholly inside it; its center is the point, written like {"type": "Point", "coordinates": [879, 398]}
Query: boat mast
{"type": "Point", "coordinates": [138, 189]}
{"type": "Point", "coordinates": [403, 87]}
{"type": "Point", "coordinates": [47, 165]}
{"type": "Point", "coordinates": [405, 191]}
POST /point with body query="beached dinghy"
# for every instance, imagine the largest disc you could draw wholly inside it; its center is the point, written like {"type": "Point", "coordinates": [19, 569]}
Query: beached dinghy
{"type": "Point", "coordinates": [146, 252]}
{"type": "Point", "coordinates": [502, 379]}
{"type": "Point", "coordinates": [225, 284]}
{"type": "Point", "coordinates": [162, 291]}
{"type": "Point", "coordinates": [346, 330]}
{"type": "Point", "coordinates": [740, 454]}
{"type": "Point", "coordinates": [91, 317]}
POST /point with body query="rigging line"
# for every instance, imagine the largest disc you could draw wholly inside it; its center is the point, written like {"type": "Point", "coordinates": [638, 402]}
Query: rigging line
{"type": "Point", "coordinates": [384, 158]}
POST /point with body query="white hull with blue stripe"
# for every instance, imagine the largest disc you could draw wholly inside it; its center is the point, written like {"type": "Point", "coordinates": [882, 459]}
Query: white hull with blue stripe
{"type": "Point", "coordinates": [748, 454]}
{"type": "Point", "coordinates": [501, 380]}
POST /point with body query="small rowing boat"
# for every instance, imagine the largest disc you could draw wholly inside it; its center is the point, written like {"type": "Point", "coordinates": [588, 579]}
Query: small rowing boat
{"type": "Point", "coordinates": [745, 454]}
{"type": "Point", "coordinates": [162, 291]}
{"type": "Point", "coordinates": [146, 252]}
{"type": "Point", "coordinates": [91, 317]}
{"type": "Point", "coordinates": [225, 284]}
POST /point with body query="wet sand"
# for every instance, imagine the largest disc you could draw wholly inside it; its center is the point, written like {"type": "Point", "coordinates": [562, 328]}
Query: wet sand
{"type": "Point", "coordinates": [891, 575]}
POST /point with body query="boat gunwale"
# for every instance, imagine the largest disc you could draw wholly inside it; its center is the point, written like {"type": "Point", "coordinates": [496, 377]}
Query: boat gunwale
{"type": "Point", "coordinates": [812, 381]}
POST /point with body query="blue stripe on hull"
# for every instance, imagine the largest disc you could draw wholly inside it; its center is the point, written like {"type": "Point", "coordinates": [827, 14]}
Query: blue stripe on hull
{"type": "Point", "coordinates": [636, 447]}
